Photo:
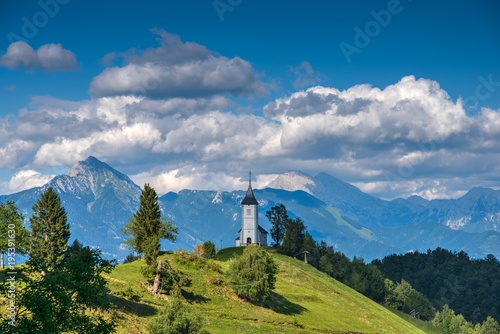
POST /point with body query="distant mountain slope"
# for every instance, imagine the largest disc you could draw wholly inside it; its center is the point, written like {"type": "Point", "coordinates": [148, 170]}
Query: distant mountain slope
{"type": "Point", "coordinates": [100, 200]}
{"type": "Point", "coordinates": [477, 211]}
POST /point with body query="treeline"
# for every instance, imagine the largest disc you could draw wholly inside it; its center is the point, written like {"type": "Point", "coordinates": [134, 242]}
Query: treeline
{"type": "Point", "coordinates": [422, 283]}
{"type": "Point", "coordinates": [470, 287]}
{"type": "Point", "coordinates": [292, 238]}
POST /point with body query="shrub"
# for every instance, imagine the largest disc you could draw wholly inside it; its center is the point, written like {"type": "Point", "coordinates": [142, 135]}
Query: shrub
{"type": "Point", "coordinates": [175, 319]}
{"type": "Point", "coordinates": [253, 274]}
{"type": "Point", "coordinates": [209, 250]}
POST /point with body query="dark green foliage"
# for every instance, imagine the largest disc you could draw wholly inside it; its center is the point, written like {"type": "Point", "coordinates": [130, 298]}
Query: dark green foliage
{"type": "Point", "coordinates": [294, 237]}
{"type": "Point", "coordinates": [131, 258]}
{"type": "Point", "coordinates": [278, 217]}
{"type": "Point", "coordinates": [168, 278]}
{"type": "Point", "coordinates": [253, 274]}
{"type": "Point", "coordinates": [147, 227]}
{"type": "Point", "coordinates": [209, 249]}
{"type": "Point", "coordinates": [402, 296]}
{"type": "Point", "coordinates": [470, 287]}
{"type": "Point", "coordinates": [14, 237]}
{"type": "Point", "coordinates": [366, 279]}
{"type": "Point", "coordinates": [175, 319]}
{"type": "Point", "coordinates": [49, 232]}
{"type": "Point", "coordinates": [72, 298]}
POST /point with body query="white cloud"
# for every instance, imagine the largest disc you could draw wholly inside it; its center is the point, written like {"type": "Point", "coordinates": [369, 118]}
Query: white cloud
{"type": "Point", "coordinates": [395, 141]}
{"type": "Point", "coordinates": [51, 57]}
{"type": "Point", "coordinates": [177, 69]}
{"type": "Point", "coordinates": [25, 179]}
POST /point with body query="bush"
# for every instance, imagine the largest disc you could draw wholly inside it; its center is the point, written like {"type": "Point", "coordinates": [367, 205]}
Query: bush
{"type": "Point", "coordinates": [175, 319]}
{"type": "Point", "coordinates": [131, 258]}
{"type": "Point", "coordinates": [209, 249]}
{"type": "Point", "coordinates": [253, 274]}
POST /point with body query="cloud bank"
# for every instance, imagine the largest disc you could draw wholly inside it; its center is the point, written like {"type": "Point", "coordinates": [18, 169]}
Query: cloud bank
{"type": "Point", "coordinates": [184, 131]}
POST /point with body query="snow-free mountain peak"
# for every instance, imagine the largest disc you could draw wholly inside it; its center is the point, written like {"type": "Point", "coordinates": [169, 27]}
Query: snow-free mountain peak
{"type": "Point", "coordinates": [293, 181]}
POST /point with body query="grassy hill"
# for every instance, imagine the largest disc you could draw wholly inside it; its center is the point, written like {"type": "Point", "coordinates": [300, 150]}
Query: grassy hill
{"type": "Point", "coordinates": [305, 300]}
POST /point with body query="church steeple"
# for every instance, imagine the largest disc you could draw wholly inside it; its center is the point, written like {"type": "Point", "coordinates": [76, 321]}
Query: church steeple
{"type": "Point", "coordinates": [250, 232]}
{"type": "Point", "coordinates": [249, 196]}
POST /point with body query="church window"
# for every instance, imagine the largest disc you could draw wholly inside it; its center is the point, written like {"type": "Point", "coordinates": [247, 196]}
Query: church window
{"type": "Point", "coordinates": [249, 212]}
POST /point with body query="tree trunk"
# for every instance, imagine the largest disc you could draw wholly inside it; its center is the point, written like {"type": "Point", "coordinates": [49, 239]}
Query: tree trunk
{"type": "Point", "coordinates": [156, 283]}
{"type": "Point", "coordinates": [2, 263]}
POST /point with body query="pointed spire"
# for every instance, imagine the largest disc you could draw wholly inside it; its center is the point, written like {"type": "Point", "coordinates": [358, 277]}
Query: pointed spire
{"type": "Point", "coordinates": [249, 196]}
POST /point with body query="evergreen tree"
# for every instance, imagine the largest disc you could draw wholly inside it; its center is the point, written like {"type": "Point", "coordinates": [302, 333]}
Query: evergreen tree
{"type": "Point", "coordinates": [14, 234]}
{"type": "Point", "coordinates": [49, 232]}
{"type": "Point", "coordinates": [147, 227]}
{"type": "Point", "coordinates": [278, 217]}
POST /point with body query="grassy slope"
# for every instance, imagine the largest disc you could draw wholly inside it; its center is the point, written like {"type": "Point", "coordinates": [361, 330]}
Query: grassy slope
{"type": "Point", "coordinates": [305, 301]}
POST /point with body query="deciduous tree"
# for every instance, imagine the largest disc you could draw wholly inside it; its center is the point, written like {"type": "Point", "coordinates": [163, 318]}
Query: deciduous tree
{"type": "Point", "coordinates": [253, 274]}
{"type": "Point", "coordinates": [14, 234]}
{"type": "Point", "coordinates": [278, 217]}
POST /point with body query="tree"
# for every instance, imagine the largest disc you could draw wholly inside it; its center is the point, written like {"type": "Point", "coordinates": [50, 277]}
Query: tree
{"type": "Point", "coordinates": [278, 217]}
{"type": "Point", "coordinates": [72, 298]}
{"type": "Point", "coordinates": [294, 237]}
{"type": "Point", "coordinates": [209, 249]}
{"type": "Point", "coordinates": [490, 326]}
{"type": "Point", "coordinates": [49, 232]}
{"type": "Point", "coordinates": [147, 227]}
{"type": "Point", "coordinates": [14, 234]}
{"type": "Point", "coordinates": [253, 274]}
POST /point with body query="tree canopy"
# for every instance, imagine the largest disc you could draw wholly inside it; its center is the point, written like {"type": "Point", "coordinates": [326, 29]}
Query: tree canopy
{"type": "Point", "coordinates": [253, 274]}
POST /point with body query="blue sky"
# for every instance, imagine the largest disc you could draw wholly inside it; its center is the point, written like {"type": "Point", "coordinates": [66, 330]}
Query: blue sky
{"type": "Point", "coordinates": [64, 98]}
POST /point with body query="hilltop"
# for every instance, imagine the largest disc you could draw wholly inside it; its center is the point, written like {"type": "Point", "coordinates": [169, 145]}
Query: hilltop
{"type": "Point", "coordinates": [305, 300]}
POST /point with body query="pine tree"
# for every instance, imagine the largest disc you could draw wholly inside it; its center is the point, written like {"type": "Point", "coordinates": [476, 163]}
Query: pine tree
{"type": "Point", "coordinates": [49, 232]}
{"type": "Point", "coordinates": [147, 227]}
{"type": "Point", "coordinates": [14, 234]}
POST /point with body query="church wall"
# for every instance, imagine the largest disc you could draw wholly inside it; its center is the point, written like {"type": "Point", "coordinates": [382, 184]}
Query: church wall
{"type": "Point", "coordinates": [250, 224]}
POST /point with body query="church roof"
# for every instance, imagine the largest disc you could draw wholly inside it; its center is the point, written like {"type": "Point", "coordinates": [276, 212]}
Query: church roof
{"type": "Point", "coordinates": [262, 230]}
{"type": "Point", "coordinates": [249, 197]}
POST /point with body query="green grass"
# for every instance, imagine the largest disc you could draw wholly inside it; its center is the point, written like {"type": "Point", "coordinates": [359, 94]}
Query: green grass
{"type": "Point", "coordinates": [304, 301]}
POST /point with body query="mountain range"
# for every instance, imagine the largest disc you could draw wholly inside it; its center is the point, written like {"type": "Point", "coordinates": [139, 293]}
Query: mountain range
{"type": "Point", "coordinates": [100, 200]}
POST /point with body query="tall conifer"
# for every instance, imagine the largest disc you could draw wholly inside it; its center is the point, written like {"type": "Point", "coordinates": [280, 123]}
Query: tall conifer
{"type": "Point", "coordinates": [49, 232]}
{"type": "Point", "coordinates": [147, 226]}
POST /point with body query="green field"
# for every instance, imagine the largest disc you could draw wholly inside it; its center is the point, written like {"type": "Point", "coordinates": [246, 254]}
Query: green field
{"type": "Point", "coordinates": [305, 301]}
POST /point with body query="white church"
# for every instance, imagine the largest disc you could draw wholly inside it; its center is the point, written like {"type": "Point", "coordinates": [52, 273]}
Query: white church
{"type": "Point", "coordinates": [251, 231]}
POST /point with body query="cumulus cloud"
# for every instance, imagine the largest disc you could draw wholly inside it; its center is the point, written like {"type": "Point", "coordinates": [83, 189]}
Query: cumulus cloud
{"type": "Point", "coordinates": [404, 139]}
{"type": "Point", "coordinates": [176, 69]}
{"type": "Point", "coordinates": [25, 179]}
{"type": "Point", "coordinates": [51, 57]}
